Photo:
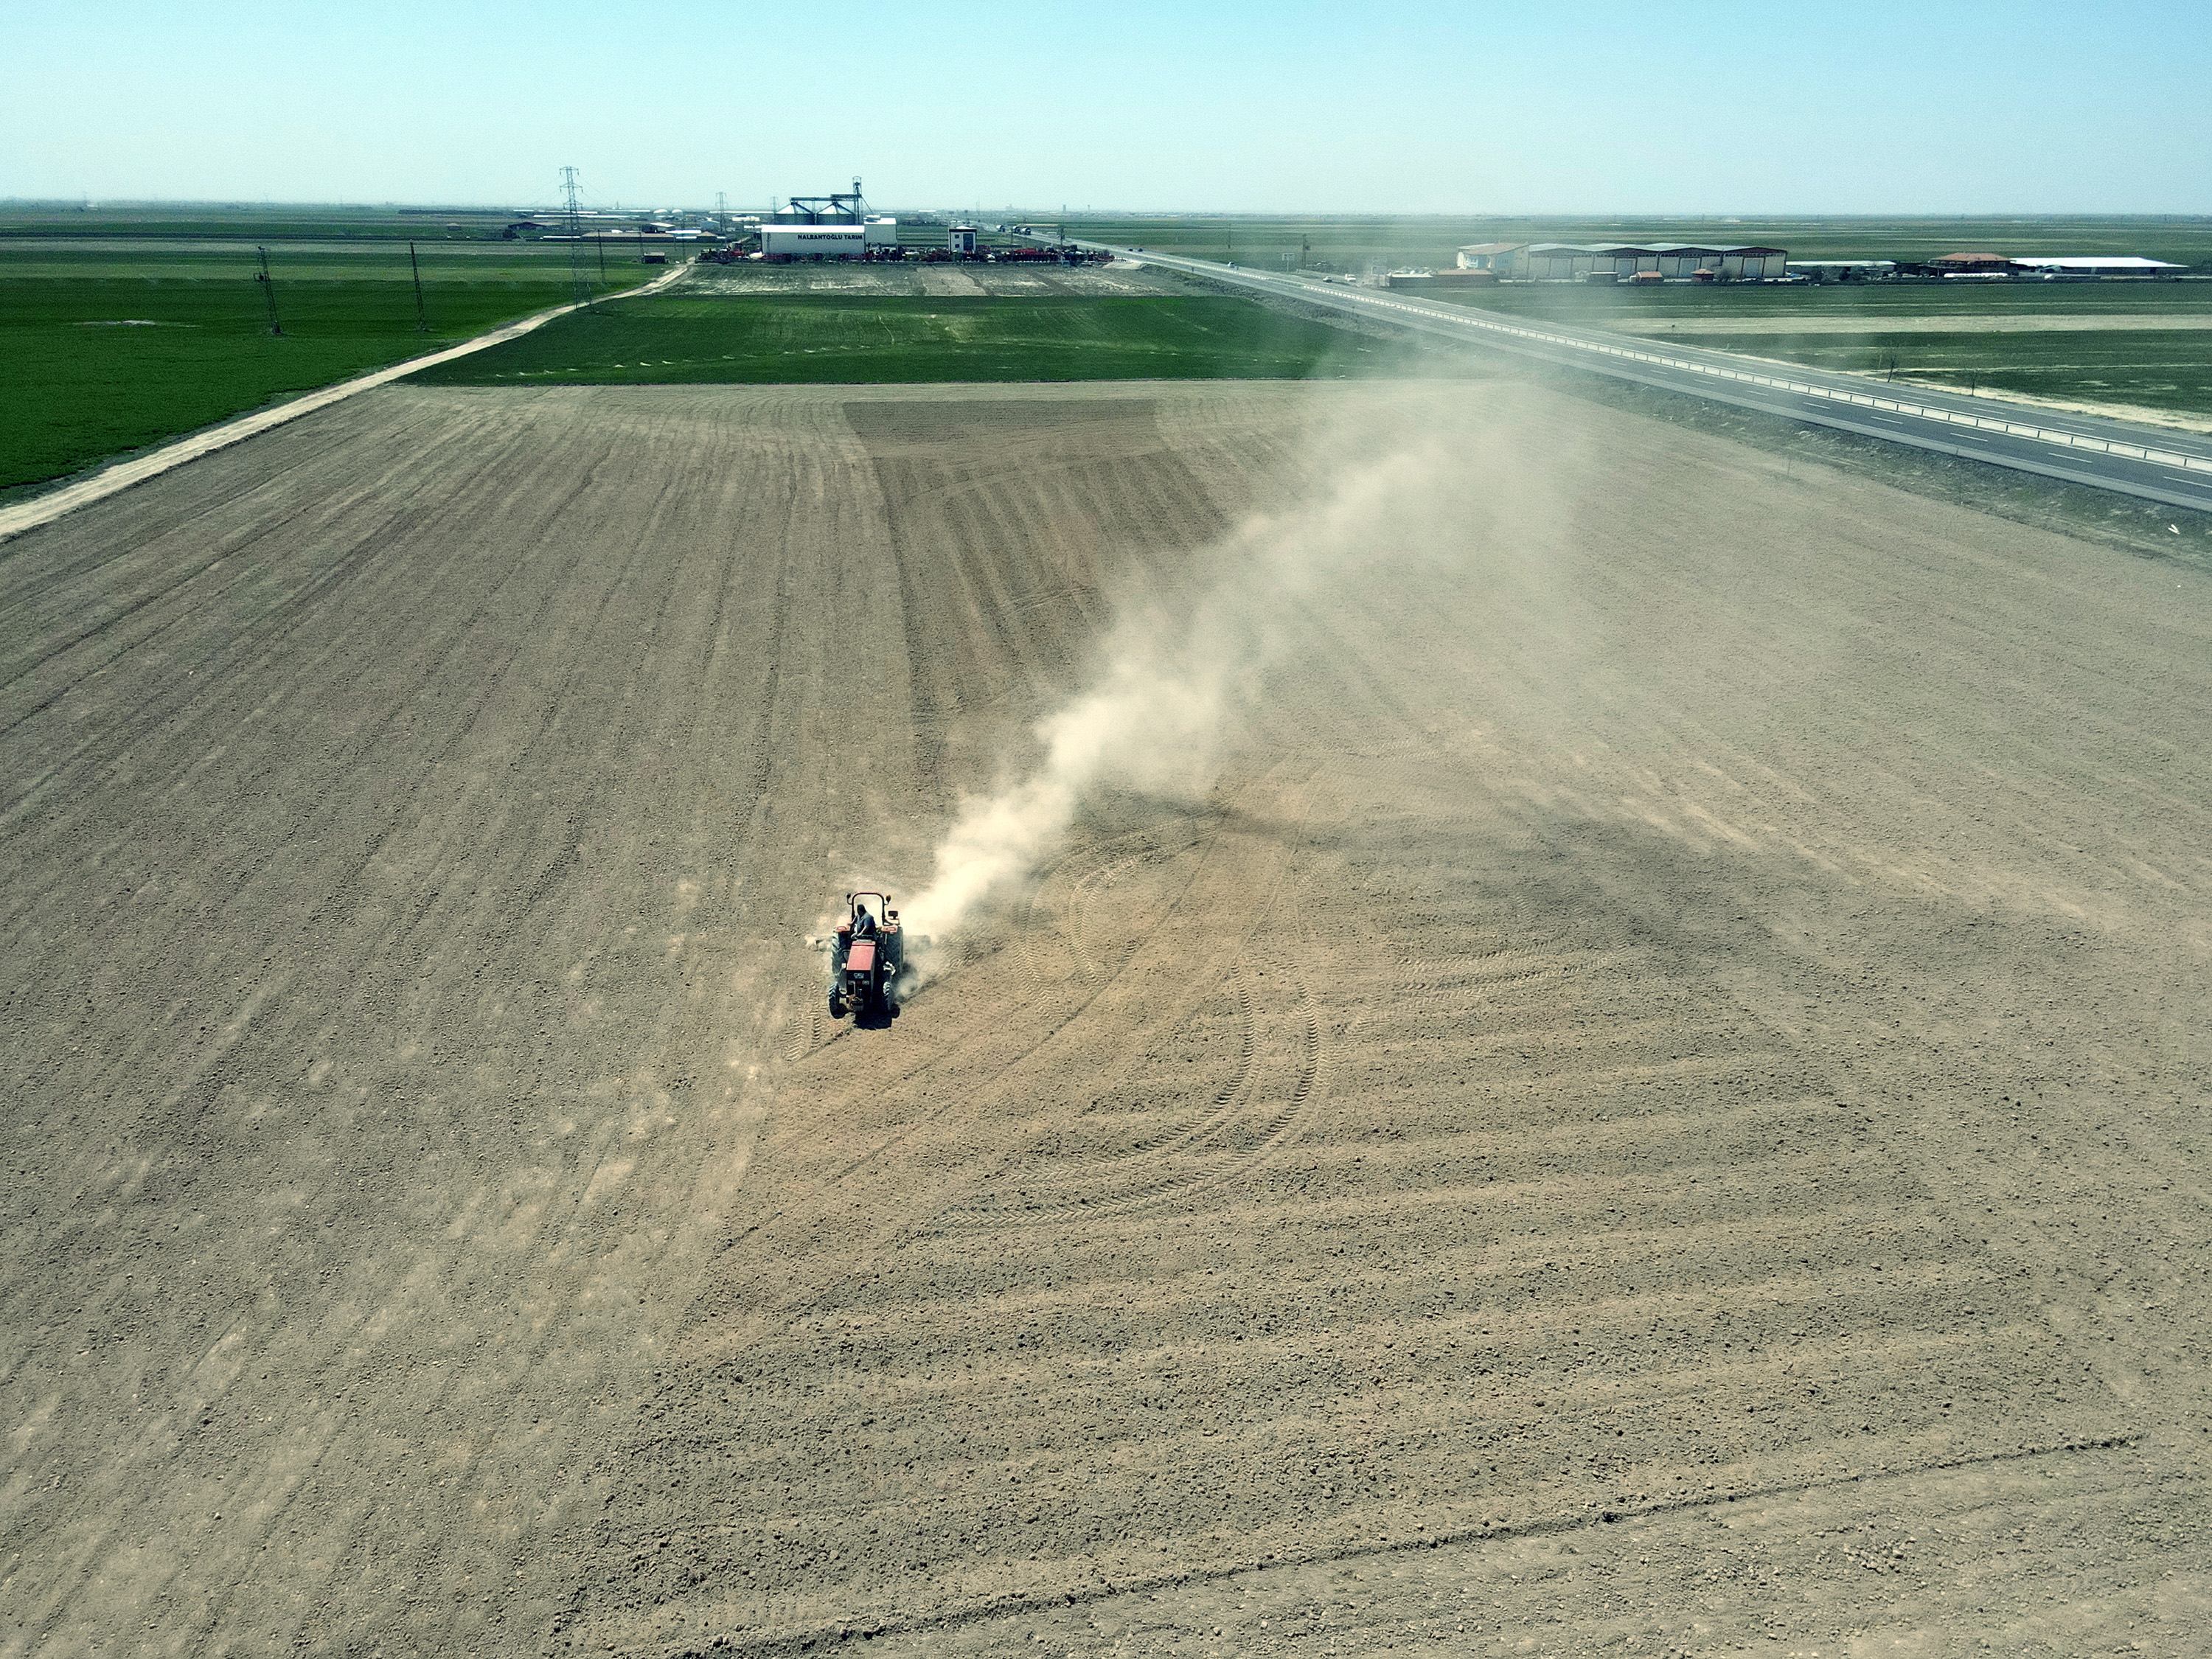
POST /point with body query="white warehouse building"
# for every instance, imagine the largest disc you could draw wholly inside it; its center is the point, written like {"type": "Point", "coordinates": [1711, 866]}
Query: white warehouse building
{"type": "Point", "coordinates": [847, 242]}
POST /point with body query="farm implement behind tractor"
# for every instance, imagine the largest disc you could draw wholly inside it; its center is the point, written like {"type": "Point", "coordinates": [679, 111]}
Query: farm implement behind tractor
{"type": "Point", "coordinates": [865, 958]}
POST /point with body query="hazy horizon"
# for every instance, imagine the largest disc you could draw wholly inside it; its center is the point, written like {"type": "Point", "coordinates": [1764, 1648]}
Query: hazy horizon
{"type": "Point", "coordinates": [546, 201]}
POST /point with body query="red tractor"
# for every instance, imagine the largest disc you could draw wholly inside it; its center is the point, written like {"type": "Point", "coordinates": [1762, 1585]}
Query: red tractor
{"type": "Point", "coordinates": [865, 958]}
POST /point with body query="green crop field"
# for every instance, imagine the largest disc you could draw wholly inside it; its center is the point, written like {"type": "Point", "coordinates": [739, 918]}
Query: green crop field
{"type": "Point", "coordinates": [878, 339]}
{"type": "Point", "coordinates": [254, 222]}
{"type": "Point", "coordinates": [2164, 371]}
{"type": "Point", "coordinates": [106, 347]}
{"type": "Point", "coordinates": [2141, 344]}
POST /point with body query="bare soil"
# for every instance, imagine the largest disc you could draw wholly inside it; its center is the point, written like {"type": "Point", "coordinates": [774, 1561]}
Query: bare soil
{"type": "Point", "coordinates": [1656, 1105]}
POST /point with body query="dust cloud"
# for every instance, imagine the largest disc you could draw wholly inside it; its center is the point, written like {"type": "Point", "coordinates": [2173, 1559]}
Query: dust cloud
{"type": "Point", "coordinates": [1174, 681]}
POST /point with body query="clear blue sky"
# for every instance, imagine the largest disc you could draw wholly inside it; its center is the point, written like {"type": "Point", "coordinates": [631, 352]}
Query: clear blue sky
{"type": "Point", "coordinates": [1647, 106]}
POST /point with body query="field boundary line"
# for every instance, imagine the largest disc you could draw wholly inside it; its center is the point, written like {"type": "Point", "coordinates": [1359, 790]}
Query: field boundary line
{"type": "Point", "coordinates": [113, 480]}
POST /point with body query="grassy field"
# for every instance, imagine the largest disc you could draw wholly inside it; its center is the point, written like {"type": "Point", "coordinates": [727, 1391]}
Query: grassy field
{"type": "Point", "coordinates": [263, 223]}
{"type": "Point", "coordinates": [105, 349]}
{"type": "Point", "coordinates": [1356, 244]}
{"type": "Point", "coordinates": [1623, 304]}
{"type": "Point", "coordinates": [2139, 344]}
{"type": "Point", "coordinates": [2164, 371]}
{"type": "Point", "coordinates": [877, 338]}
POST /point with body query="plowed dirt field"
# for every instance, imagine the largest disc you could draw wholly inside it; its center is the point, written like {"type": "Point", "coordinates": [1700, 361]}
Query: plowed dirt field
{"type": "Point", "coordinates": [1651, 1098]}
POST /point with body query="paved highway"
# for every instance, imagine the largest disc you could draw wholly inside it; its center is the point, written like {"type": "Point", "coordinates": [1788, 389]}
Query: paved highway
{"type": "Point", "coordinates": [2151, 462]}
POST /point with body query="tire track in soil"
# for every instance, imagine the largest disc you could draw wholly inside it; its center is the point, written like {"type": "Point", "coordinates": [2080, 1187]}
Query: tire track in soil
{"type": "Point", "coordinates": [383, 544]}
{"type": "Point", "coordinates": [686, 1038]}
{"type": "Point", "coordinates": [997, 1064]}
{"type": "Point", "coordinates": [557, 1196]}
{"type": "Point", "coordinates": [1176, 1161]}
{"type": "Point", "coordinates": [1633, 1210]}
{"type": "Point", "coordinates": [1001, 1075]}
{"type": "Point", "coordinates": [695, 1036]}
{"type": "Point", "coordinates": [1845, 1368]}
{"type": "Point", "coordinates": [998, 518]}
{"type": "Point", "coordinates": [43, 581]}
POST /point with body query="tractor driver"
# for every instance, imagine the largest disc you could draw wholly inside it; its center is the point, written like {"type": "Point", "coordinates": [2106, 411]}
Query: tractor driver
{"type": "Point", "coordinates": [864, 923]}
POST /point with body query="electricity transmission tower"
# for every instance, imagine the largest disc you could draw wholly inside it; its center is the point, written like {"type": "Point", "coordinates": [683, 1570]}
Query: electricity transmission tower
{"type": "Point", "coordinates": [268, 290]}
{"type": "Point", "coordinates": [579, 278]}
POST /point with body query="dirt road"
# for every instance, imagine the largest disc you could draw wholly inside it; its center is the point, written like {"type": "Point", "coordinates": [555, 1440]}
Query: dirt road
{"type": "Point", "coordinates": [123, 475]}
{"type": "Point", "coordinates": [1656, 1102]}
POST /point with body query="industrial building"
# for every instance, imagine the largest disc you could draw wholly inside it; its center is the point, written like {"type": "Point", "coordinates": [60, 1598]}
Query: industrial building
{"type": "Point", "coordinates": [2101, 264]}
{"type": "Point", "coordinates": [1541, 262]}
{"type": "Point", "coordinates": [1494, 257]}
{"type": "Point", "coordinates": [1971, 265]}
{"type": "Point", "coordinates": [837, 226]}
{"type": "Point", "coordinates": [1843, 271]}
{"type": "Point", "coordinates": [2076, 265]}
{"type": "Point", "coordinates": [839, 207]}
{"type": "Point", "coordinates": [829, 241]}
{"type": "Point", "coordinates": [815, 241]}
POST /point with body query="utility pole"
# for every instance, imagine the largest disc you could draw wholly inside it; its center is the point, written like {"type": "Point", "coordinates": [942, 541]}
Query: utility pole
{"type": "Point", "coordinates": [268, 290]}
{"type": "Point", "coordinates": [577, 280]}
{"type": "Point", "coordinates": [421, 316]}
